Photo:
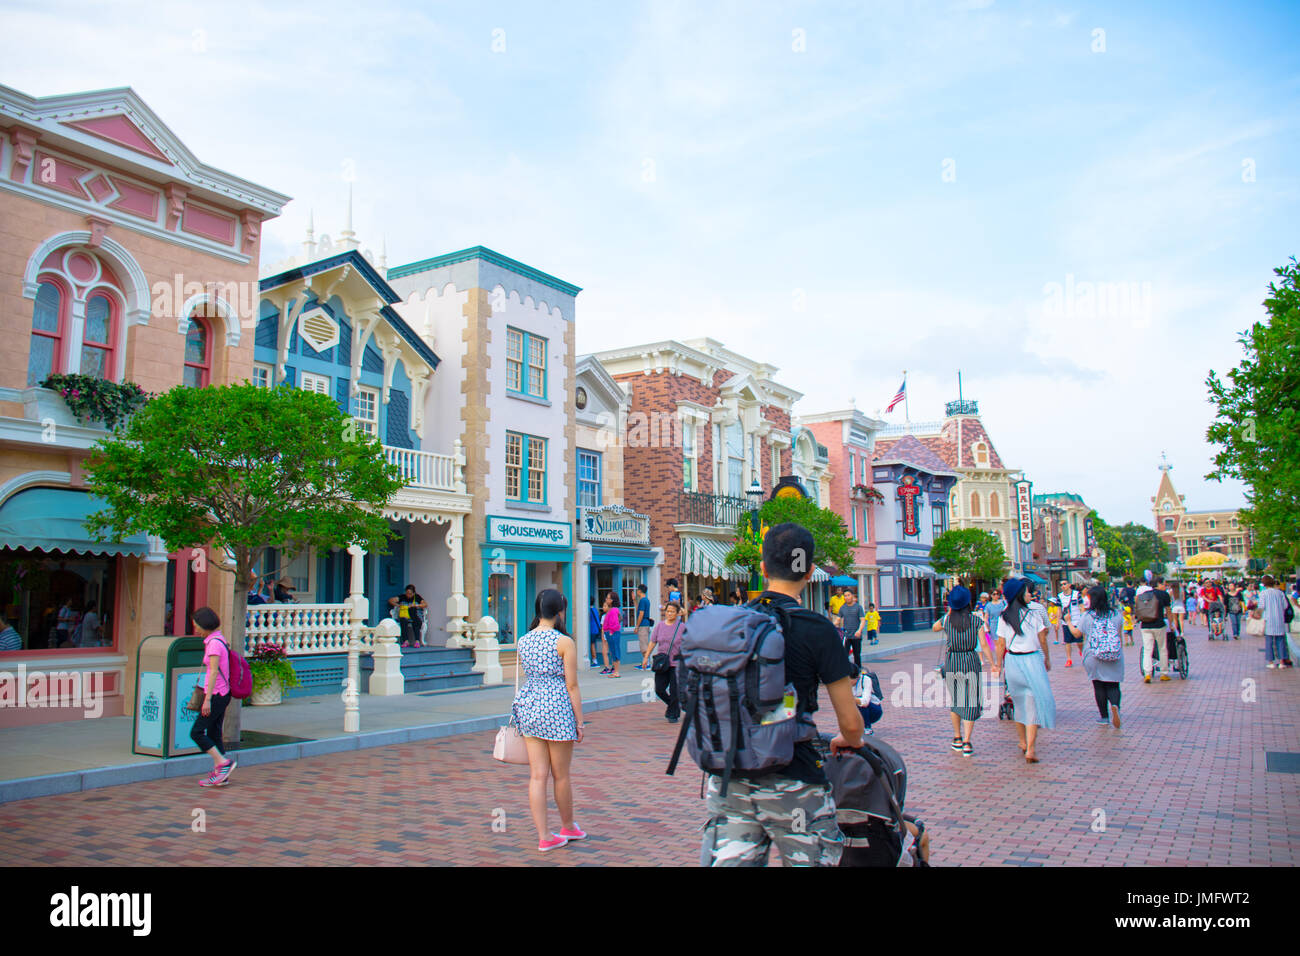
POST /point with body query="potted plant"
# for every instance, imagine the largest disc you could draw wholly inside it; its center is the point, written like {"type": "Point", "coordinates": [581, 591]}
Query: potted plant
{"type": "Point", "coordinates": [272, 673]}
{"type": "Point", "coordinates": [93, 399]}
{"type": "Point", "coordinates": [863, 493]}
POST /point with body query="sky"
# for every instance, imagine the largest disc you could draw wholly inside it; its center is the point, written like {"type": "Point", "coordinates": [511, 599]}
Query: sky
{"type": "Point", "coordinates": [1078, 206]}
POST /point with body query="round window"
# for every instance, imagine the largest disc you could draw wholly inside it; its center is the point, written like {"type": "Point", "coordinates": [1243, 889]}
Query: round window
{"type": "Point", "coordinates": [580, 397]}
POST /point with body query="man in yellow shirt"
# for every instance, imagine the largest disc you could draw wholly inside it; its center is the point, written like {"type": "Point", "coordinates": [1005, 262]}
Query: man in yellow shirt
{"type": "Point", "coordinates": [836, 602]}
{"type": "Point", "coordinates": [873, 624]}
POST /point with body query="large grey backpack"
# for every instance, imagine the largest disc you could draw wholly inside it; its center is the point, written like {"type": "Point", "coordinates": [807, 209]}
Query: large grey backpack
{"type": "Point", "coordinates": [731, 677]}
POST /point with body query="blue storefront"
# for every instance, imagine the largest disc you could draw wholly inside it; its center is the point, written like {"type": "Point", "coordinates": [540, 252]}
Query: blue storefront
{"type": "Point", "coordinates": [522, 556]}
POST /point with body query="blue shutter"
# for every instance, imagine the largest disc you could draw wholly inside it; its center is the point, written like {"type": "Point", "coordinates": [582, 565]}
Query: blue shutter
{"type": "Point", "coordinates": [342, 393]}
{"type": "Point", "coordinates": [343, 354]}
{"type": "Point", "coordinates": [290, 375]}
{"type": "Point", "coordinates": [372, 361]}
{"type": "Point", "coordinates": [399, 413]}
{"type": "Point", "coordinates": [268, 328]}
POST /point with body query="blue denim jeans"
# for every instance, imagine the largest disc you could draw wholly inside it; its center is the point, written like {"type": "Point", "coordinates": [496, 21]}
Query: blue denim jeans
{"type": "Point", "coordinates": [1236, 624]}
{"type": "Point", "coordinates": [1275, 647]}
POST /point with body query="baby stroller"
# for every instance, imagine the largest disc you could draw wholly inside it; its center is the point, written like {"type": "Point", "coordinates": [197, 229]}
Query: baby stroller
{"type": "Point", "coordinates": [1007, 711]}
{"type": "Point", "coordinates": [1216, 622]}
{"type": "Point", "coordinates": [870, 789]}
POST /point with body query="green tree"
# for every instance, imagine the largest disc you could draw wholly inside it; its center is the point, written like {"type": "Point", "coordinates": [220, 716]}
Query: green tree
{"type": "Point", "coordinates": [970, 554]}
{"type": "Point", "coordinates": [1147, 548]}
{"type": "Point", "coordinates": [831, 539]}
{"type": "Point", "coordinates": [1119, 556]}
{"type": "Point", "coordinates": [242, 469]}
{"type": "Point", "coordinates": [1257, 424]}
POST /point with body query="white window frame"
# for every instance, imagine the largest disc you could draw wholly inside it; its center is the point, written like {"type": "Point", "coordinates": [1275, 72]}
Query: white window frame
{"type": "Point", "coordinates": [368, 425]}
{"type": "Point", "coordinates": [311, 382]}
{"type": "Point", "coordinates": [690, 455]}
{"type": "Point", "coordinates": [267, 371]}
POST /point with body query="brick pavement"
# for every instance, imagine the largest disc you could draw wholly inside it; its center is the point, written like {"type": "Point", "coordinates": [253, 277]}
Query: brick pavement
{"type": "Point", "coordinates": [1183, 783]}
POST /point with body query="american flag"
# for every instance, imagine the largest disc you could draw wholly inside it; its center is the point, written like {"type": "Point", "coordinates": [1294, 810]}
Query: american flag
{"type": "Point", "coordinates": [902, 394]}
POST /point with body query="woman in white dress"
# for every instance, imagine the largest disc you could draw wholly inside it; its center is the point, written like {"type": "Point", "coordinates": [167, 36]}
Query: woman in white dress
{"type": "Point", "coordinates": [1022, 636]}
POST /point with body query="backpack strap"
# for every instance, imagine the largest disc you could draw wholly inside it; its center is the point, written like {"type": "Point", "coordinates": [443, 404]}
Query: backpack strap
{"type": "Point", "coordinates": [692, 690]}
{"type": "Point", "coordinates": [735, 733]}
{"type": "Point", "coordinates": [711, 711]}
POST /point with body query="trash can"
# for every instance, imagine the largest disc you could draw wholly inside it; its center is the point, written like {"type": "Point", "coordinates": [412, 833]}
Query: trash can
{"type": "Point", "coordinates": [167, 669]}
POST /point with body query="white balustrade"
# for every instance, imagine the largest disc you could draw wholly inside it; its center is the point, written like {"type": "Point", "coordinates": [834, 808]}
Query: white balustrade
{"type": "Point", "coordinates": [302, 628]}
{"type": "Point", "coordinates": [423, 469]}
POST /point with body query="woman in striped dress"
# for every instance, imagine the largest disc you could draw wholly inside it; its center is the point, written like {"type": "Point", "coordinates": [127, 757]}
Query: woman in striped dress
{"type": "Point", "coordinates": [961, 668]}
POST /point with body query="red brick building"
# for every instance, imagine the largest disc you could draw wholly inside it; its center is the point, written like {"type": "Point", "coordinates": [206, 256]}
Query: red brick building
{"type": "Point", "coordinates": [703, 423]}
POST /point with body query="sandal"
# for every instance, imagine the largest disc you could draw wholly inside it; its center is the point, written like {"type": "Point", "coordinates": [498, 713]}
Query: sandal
{"type": "Point", "coordinates": [956, 743]}
{"type": "Point", "coordinates": [1029, 759]}
{"type": "Point", "coordinates": [966, 749]}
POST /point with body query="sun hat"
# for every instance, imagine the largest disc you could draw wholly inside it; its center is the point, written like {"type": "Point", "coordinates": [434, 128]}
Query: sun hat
{"type": "Point", "coordinates": [1012, 587]}
{"type": "Point", "coordinates": [958, 598]}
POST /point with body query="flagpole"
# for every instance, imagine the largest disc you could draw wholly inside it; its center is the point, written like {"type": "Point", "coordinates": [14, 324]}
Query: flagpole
{"type": "Point", "coordinates": [907, 408]}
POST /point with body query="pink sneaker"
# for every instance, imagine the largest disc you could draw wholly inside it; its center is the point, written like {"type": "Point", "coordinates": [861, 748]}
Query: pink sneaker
{"type": "Point", "coordinates": [211, 780]}
{"type": "Point", "coordinates": [574, 833]}
{"type": "Point", "coordinates": [554, 843]}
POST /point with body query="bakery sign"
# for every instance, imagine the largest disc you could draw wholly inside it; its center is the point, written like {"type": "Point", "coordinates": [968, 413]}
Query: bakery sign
{"type": "Point", "coordinates": [613, 524]}
{"type": "Point", "coordinates": [1024, 507]}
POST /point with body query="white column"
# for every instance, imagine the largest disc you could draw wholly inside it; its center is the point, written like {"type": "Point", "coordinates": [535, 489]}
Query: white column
{"type": "Point", "coordinates": [457, 603]}
{"type": "Point", "coordinates": [360, 610]}
{"type": "Point", "coordinates": [487, 652]}
{"type": "Point", "coordinates": [386, 679]}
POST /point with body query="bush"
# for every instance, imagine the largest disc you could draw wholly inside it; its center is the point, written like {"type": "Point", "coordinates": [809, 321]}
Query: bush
{"type": "Point", "coordinates": [269, 661]}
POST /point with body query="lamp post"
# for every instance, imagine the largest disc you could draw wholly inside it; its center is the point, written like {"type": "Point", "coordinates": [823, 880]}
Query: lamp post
{"type": "Point", "coordinates": [755, 496]}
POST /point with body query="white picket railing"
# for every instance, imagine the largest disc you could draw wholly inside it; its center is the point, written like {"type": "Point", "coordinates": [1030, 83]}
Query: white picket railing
{"type": "Point", "coordinates": [910, 428]}
{"type": "Point", "coordinates": [302, 628]}
{"type": "Point", "coordinates": [423, 469]}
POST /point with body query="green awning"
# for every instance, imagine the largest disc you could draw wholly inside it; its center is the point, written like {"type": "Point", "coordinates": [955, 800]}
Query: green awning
{"type": "Point", "coordinates": [709, 557]}
{"type": "Point", "coordinates": [52, 519]}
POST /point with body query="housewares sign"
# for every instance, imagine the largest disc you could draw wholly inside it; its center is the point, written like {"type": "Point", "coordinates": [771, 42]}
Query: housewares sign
{"type": "Point", "coordinates": [503, 530]}
{"type": "Point", "coordinates": [614, 525]}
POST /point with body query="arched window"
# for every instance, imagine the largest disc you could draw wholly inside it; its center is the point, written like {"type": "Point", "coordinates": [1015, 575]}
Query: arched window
{"type": "Point", "coordinates": [98, 338]}
{"type": "Point", "coordinates": [974, 504]}
{"type": "Point", "coordinates": [995, 510]}
{"type": "Point", "coordinates": [47, 334]}
{"type": "Point", "coordinates": [198, 355]}
{"type": "Point", "coordinates": [981, 455]}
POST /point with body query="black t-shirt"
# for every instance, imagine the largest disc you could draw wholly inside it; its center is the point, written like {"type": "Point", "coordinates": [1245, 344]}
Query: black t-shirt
{"type": "Point", "coordinates": [813, 655]}
{"type": "Point", "coordinates": [1162, 599]}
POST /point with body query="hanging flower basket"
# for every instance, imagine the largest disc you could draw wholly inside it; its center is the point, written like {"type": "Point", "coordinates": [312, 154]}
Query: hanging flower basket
{"type": "Point", "coordinates": [864, 493]}
{"type": "Point", "coordinates": [94, 399]}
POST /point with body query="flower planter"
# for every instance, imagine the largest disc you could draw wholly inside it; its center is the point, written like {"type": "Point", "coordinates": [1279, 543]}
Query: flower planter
{"type": "Point", "coordinates": [47, 405]}
{"type": "Point", "coordinates": [267, 695]}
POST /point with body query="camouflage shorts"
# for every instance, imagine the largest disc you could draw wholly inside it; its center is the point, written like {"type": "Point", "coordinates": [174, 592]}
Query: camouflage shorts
{"type": "Point", "coordinates": [798, 817]}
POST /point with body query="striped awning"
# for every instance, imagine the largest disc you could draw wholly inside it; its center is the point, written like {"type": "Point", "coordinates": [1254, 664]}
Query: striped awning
{"type": "Point", "coordinates": [708, 557]}
{"type": "Point", "coordinates": [53, 519]}
{"type": "Point", "coordinates": [819, 574]}
{"type": "Point", "coordinates": [914, 571]}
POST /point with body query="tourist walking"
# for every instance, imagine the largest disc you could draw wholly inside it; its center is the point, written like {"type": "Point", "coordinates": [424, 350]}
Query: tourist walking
{"type": "Point", "coordinates": [992, 612]}
{"type": "Point", "coordinates": [1177, 612]}
{"type": "Point", "coordinates": [873, 624]}
{"type": "Point", "coordinates": [1022, 638]}
{"type": "Point", "coordinates": [611, 634]}
{"type": "Point", "coordinates": [1103, 652]}
{"type": "Point", "coordinates": [961, 668]}
{"type": "Point", "coordinates": [548, 712]}
{"type": "Point", "coordinates": [853, 618]}
{"type": "Point", "coordinates": [206, 732]}
{"type": "Point", "coordinates": [790, 806]}
{"type": "Point", "coordinates": [643, 622]}
{"type": "Point", "coordinates": [1274, 605]}
{"type": "Point", "coordinates": [661, 657]}
{"type": "Point", "coordinates": [1151, 606]}
{"type": "Point", "coordinates": [1070, 614]}
{"type": "Point", "coordinates": [1235, 607]}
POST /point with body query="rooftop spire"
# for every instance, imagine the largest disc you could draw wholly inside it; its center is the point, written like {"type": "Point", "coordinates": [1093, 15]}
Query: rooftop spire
{"type": "Point", "coordinates": [348, 238]}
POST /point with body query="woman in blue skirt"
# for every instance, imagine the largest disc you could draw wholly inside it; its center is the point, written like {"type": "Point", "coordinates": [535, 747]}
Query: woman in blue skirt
{"type": "Point", "coordinates": [1022, 636]}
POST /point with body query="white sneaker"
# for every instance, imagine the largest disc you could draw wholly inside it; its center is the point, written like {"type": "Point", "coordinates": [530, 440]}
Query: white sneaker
{"type": "Point", "coordinates": [1272, 665]}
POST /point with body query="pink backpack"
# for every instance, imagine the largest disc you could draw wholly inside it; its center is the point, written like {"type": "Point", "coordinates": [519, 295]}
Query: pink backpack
{"type": "Point", "coordinates": [239, 675]}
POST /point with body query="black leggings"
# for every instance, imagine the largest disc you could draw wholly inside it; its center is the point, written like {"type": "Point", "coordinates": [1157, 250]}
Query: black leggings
{"type": "Point", "coordinates": [666, 688]}
{"type": "Point", "coordinates": [206, 731]}
{"type": "Point", "coordinates": [1107, 693]}
{"type": "Point", "coordinates": [855, 650]}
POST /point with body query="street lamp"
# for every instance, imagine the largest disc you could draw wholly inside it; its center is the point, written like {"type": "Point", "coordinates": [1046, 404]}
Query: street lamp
{"type": "Point", "coordinates": [755, 496]}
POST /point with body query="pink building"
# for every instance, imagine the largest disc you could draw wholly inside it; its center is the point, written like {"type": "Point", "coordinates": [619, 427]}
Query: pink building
{"type": "Point", "coordinates": [122, 258]}
{"type": "Point", "coordinates": [850, 437]}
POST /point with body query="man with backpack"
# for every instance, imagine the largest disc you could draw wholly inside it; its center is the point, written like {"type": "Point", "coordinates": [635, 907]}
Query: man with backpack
{"type": "Point", "coordinates": [723, 669]}
{"type": "Point", "coordinates": [1150, 605]}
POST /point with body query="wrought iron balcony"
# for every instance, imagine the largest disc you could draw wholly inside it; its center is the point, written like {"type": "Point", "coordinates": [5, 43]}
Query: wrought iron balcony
{"type": "Point", "coordinates": [694, 507]}
{"type": "Point", "coordinates": [966, 407]}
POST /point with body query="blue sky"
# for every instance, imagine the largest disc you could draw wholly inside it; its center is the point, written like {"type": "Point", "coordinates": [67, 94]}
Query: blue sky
{"type": "Point", "coordinates": [844, 190]}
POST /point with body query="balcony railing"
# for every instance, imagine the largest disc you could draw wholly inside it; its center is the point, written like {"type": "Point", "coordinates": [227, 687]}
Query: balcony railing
{"type": "Point", "coordinates": [424, 469]}
{"type": "Point", "coordinates": [694, 507]}
{"type": "Point", "coordinates": [302, 628]}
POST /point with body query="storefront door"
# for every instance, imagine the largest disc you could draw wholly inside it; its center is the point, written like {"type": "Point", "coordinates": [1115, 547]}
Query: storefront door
{"type": "Point", "coordinates": [501, 599]}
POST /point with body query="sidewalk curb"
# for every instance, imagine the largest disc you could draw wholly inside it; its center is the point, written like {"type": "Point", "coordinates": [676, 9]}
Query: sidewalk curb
{"type": "Point", "coordinates": [95, 778]}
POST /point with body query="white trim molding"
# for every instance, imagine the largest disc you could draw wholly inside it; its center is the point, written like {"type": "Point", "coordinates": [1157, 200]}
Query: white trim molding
{"type": "Point", "coordinates": [137, 287]}
{"type": "Point", "coordinates": [33, 479]}
{"type": "Point", "coordinates": [209, 303]}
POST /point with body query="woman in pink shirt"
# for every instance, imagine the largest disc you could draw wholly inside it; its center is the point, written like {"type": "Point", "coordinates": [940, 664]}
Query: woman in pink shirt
{"type": "Point", "coordinates": [206, 732]}
{"type": "Point", "coordinates": [611, 627]}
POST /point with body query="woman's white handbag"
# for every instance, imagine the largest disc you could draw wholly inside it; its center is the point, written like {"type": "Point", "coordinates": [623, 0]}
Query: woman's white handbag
{"type": "Point", "coordinates": [509, 746]}
{"type": "Point", "coordinates": [1255, 626]}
